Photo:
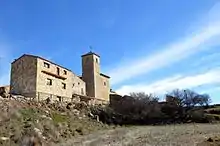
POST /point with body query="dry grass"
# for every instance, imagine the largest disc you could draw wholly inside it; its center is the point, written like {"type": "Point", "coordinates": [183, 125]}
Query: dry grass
{"type": "Point", "coordinates": [170, 135]}
{"type": "Point", "coordinates": [49, 124]}
{"type": "Point", "coordinates": [59, 126]}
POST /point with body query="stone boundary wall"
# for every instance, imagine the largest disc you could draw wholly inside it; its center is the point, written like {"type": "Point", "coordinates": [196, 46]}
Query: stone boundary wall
{"type": "Point", "coordinates": [41, 96]}
{"type": "Point", "coordinates": [76, 98]}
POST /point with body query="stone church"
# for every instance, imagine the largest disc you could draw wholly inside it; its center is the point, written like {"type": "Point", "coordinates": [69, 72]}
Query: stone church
{"type": "Point", "coordinates": [39, 78]}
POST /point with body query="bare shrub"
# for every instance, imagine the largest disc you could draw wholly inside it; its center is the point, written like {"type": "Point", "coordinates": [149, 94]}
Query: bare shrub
{"type": "Point", "coordinates": [141, 108]}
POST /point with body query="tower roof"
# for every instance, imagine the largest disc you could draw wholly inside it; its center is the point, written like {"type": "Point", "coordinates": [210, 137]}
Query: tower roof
{"type": "Point", "coordinates": [90, 53]}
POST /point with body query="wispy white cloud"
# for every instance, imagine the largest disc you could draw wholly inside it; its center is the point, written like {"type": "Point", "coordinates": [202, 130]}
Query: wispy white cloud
{"type": "Point", "coordinates": [177, 81]}
{"type": "Point", "coordinates": [176, 51]}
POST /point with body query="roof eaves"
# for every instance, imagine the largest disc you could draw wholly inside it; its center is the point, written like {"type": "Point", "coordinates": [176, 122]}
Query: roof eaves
{"type": "Point", "coordinates": [42, 59]}
{"type": "Point", "coordinates": [104, 75]}
{"type": "Point", "coordinates": [90, 53]}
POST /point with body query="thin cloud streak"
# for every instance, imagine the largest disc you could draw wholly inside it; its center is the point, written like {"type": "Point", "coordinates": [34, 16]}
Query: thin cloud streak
{"type": "Point", "coordinates": [167, 84]}
{"type": "Point", "coordinates": [175, 52]}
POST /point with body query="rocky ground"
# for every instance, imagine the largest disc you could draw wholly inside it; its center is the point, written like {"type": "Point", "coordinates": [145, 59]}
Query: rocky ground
{"type": "Point", "coordinates": [172, 135]}
{"type": "Point", "coordinates": [21, 120]}
{"type": "Point", "coordinates": [72, 124]}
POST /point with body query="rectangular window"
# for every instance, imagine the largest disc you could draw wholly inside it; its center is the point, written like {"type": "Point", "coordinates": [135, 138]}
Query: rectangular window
{"type": "Point", "coordinates": [82, 91]}
{"type": "Point", "coordinates": [63, 85]}
{"type": "Point", "coordinates": [59, 98]}
{"type": "Point", "coordinates": [58, 71]}
{"type": "Point", "coordinates": [65, 72]}
{"type": "Point", "coordinates": [47, 65]}
{"type": "Point", "coordinates": [49, 82]}
{"type": "Point", "coordinates": [104, 83]}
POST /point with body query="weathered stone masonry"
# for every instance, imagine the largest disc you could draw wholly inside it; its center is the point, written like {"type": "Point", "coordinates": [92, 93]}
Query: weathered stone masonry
{"type": "Point", "coordinates": [36, 77]}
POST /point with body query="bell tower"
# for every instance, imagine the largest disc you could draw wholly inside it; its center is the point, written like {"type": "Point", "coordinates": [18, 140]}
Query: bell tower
{"type": "Point", "coordinates": [91, 72]}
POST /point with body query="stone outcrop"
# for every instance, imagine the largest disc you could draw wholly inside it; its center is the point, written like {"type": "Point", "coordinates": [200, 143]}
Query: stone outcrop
{"type": "Point", "coordinates": [35, 123]}
{"type": "Point", "coordinates": [4, 91]}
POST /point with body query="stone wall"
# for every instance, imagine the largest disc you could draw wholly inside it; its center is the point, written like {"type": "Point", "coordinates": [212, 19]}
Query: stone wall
{"type": "Point", "coordinates": [63, 85]}
{"type": "Point", "coordinates": [23, 76]}
{"type": "Point", "coordinates": [115, 99]}
{"type": "Point", "coordinates": [96, 85]}
{"type": "Point", "coordinates": [34, 76]}
{"type": "Point", "coordinates": [103, 88]}
{"type": "Point", "coordinates": [78, 85]}
{"type": "Point", "coordinates": [88, 74]}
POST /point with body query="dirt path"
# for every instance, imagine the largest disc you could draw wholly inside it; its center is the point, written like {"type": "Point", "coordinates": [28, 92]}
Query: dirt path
{"type": "Point", "coordinates": [172, 135]}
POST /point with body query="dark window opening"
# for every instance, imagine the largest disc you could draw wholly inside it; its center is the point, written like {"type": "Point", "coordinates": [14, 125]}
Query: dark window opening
{"type": "Point", "coordinates": [59, 98]}
{"type": "Point", "coordinates": [104, 83]}
{"type": "Point", "coordinates": [73, 84]}
{"type": "Point", "coordinates": [47, 65]}
{"type": "Point", "coordinates": [65, 72]}
{"type": "Point", "coordinates": [96, 60]}
{"type": "Point", "coordinates": [63, 85]}
{"type": "Point", "coordinates": [49, 82]}
{"type": "Point", "coordinates": [78, 83]}
{"type": "Point", "coordinates": [58, 70]}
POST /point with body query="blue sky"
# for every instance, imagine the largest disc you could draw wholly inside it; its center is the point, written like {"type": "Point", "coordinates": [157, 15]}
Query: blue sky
{"type": "Point", "coordinates": [152, 46]}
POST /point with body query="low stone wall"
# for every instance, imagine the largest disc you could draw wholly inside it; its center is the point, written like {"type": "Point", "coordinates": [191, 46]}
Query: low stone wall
{"type": "Point", "coordinates": [51, 98]}
{"type": "Point", "coordinates": [76, 99]}
{"type": "Point", "coordinates": [92, 100]}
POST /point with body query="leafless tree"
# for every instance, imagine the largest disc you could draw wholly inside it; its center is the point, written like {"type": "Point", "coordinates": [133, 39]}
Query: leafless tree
{"type": "Point", "coordinates": [144, 97]}
{"type": "Point", "coordinates": [187, 98]}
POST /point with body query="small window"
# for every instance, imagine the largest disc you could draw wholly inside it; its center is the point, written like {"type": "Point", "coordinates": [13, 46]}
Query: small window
{"type": "Point", "coordinates": [59, 98]}
{"type": "Point", "coordinates": [104, 83]}
{"type": "Point", "coordinates": [63, 85]}
{"type": "Point", "coordinates": [49, 82]}
{"type": "Point", "coordinates": [58, 71]}
{"type": "Point", "coordinates": [78, 83]}
{"type": "Point", "coordinates": [47, 65]}
{"type": "Point", "coordinates": [82, 91]}
{"type": "Point", "coordinates": [96, 60]}
{"type": "Point", "coordinates": [65, 72]}
{"type": "Point", "coordinates": [73, 84]}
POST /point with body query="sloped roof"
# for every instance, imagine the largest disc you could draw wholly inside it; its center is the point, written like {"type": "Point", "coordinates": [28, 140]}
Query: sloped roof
{"type": "Point", "coordinates": [34, 56]}
{"type": "Point", "coordinates": [104, 75]}
{"type": "Point", "coordinates": [90, 53]}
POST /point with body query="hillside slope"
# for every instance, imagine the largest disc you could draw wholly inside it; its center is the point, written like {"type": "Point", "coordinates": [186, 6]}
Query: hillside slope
{"type": "Point", "coordinates": [51, 123]}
